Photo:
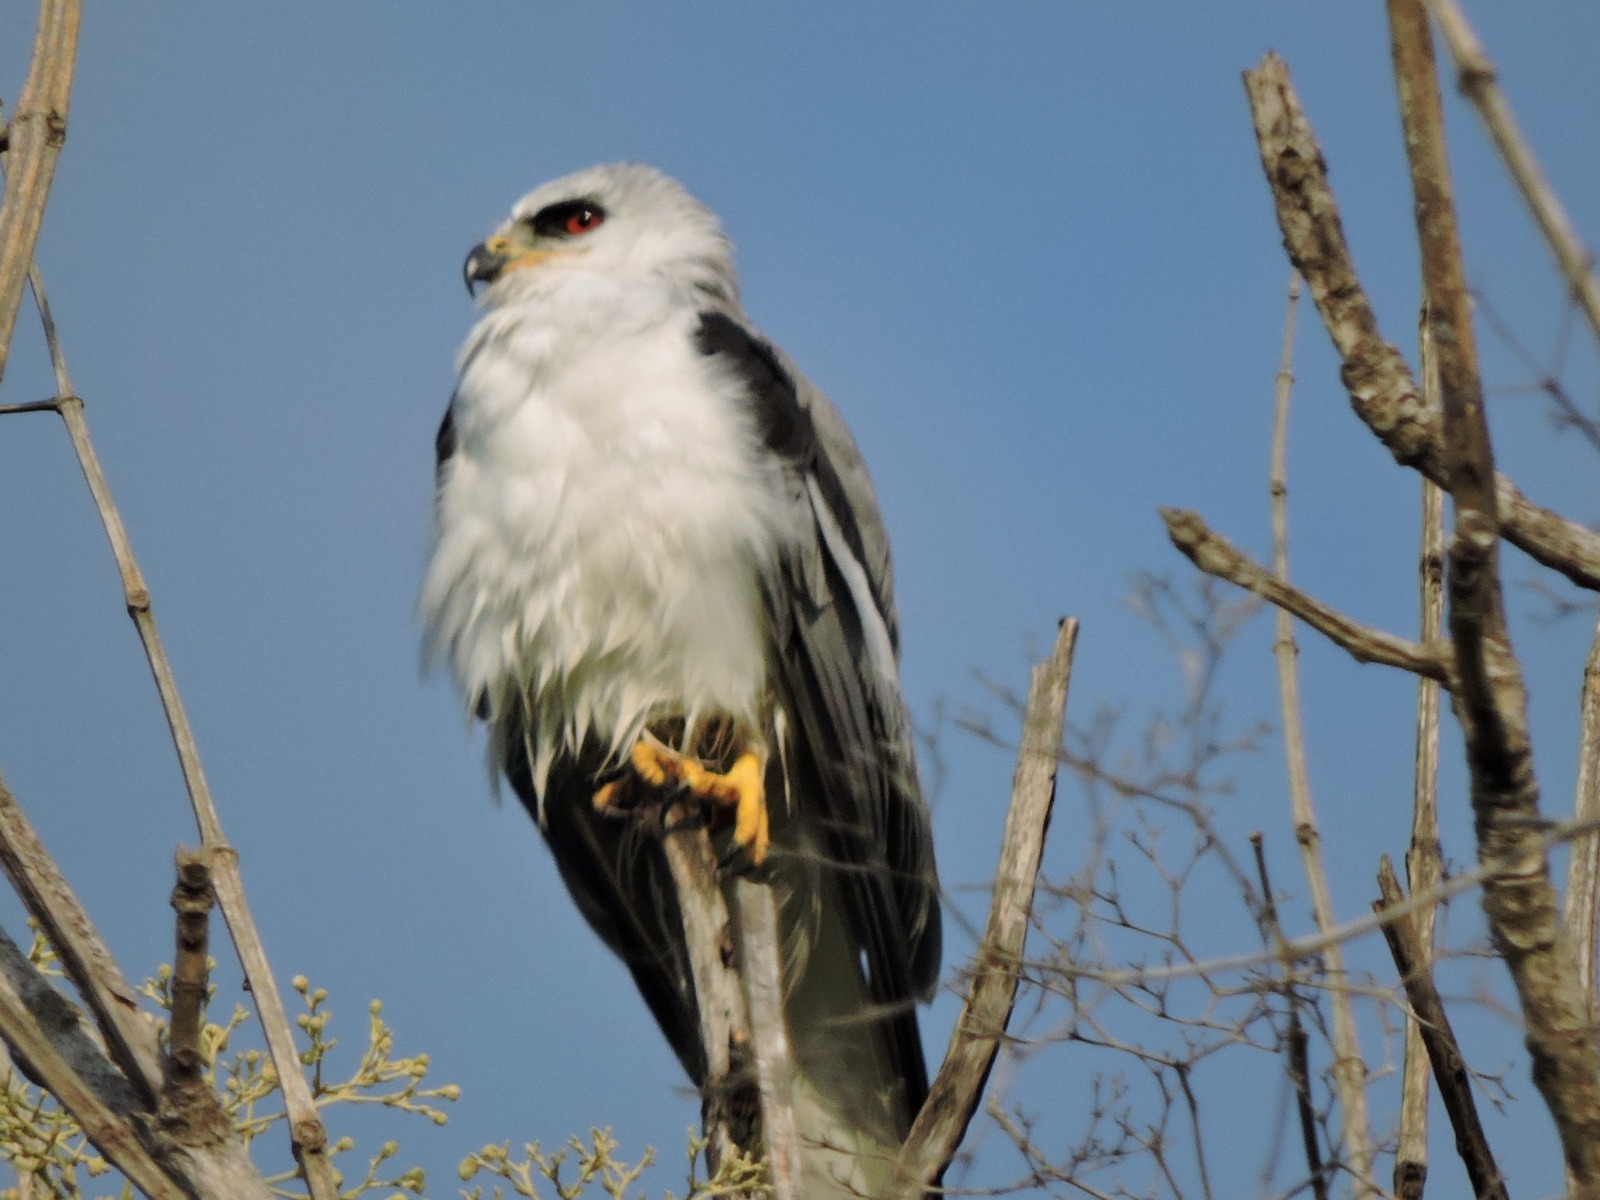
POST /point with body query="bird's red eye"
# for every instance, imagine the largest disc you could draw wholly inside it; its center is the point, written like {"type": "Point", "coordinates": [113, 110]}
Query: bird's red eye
{"type": "Point", "coordinates": [582, 220]}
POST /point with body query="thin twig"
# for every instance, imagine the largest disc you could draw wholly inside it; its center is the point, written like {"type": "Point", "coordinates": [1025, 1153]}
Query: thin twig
{"type": "Point", "coordinates": [1215, 555]}
{"type": "Point", "coordinates": [1381, 389]}
{"type": "Point", "coordinates": [1491, 699]}
{"type": "Point", "coordinates": [1475, 75]}
{"type": "Point", "coordinates": [1423, 856]}
{"type": "Point", "coordinates": [1430, 1018]}
{"type": "Point", "coordinates": [307, 1134]}
{"type": "Point", "coordinates": [1296, 1046]}
{"type": "Point", "coordinates": [1548, 835]}
{"type": "Point", "coordinates": [1349, 1067]}
{"type": "Point", "coordinates": [981, 1026]}
{"type": "Point", "coordinates": [37, 131]}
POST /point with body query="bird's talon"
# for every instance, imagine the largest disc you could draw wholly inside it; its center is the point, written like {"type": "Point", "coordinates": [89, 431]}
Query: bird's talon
{"type": "Point", "coordinates": [742, 788]}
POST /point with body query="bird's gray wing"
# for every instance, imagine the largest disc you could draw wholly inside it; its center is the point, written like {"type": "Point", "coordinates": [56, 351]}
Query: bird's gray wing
{"type": "Point", "coordinates": [833, 649]}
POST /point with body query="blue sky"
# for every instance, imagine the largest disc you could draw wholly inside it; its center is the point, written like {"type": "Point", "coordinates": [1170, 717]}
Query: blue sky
{"type": "Point", "coordinates": [1025, 246]}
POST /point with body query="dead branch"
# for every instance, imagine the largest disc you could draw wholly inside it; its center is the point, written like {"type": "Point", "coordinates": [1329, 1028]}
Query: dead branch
{"type": "Point", "coordinates": [1583, 866]}
{"type": "Point", "coordinates": [1296, 1045]}
{"type": "Point", "coordinates": [1490, 700]}
{"type": "Point", "coordinates": [981, 1027]}
{"type": "Point", "coordinates": [1381, 388]}
{"type": "Point", "coordinates": [1215, 555]}
{"type": "Point", "coordinates": [36, 134]}
{"type": "Point", "coordinates": [1349, 1068]}
{"type": "Point", "coordinates": [50, 1045]}
{"type": "Point", "coordinates": [84, 957]}
{"type": "Point", "coordinates": [308, 1137]}
{"type": "Point", "coordinates": [194, 1136]}
{"type": "Point", "coordinates": [1413, 962]}
{"type": "Point", "coordinates": [1423, 867]}
{"type": "Point", "coordinates": [1476, 77]}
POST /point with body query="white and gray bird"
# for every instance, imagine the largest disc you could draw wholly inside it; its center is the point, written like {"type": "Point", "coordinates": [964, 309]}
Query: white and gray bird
{"type": "Point", "coordinates": [658, 561]}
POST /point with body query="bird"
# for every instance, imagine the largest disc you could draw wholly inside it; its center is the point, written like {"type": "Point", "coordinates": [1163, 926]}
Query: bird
{"type": "Point", "coordinates": [659, 567]}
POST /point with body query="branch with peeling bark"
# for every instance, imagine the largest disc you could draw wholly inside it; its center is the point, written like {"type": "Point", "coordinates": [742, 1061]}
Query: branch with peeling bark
{"type": "Point", "coordinates": [1491, 700]}
{"type": "Point", "coordinates": [1449, 443]}
{"type": "Point", "coordinates": [1381, 387]}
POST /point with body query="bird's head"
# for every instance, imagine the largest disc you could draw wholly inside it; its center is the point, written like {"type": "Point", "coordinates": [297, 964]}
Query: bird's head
{"type": "Point", "coordinates": [622, 221]}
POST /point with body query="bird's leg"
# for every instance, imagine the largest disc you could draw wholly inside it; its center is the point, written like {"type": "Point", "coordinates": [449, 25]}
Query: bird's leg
{"type": "Point", "coordinates": [742, 787]}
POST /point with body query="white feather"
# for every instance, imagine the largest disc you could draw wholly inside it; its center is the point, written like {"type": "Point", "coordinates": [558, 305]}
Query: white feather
{"type": "Point", "coordinates": [602, 521]}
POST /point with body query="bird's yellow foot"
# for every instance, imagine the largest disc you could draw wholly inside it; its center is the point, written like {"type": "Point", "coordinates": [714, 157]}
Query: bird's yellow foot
{"type": "Point", "coordinates": [742, 787]}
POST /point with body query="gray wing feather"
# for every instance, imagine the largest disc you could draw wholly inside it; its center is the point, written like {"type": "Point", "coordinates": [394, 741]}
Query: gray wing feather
{"type": "Point", "coordinates": [829, 592]}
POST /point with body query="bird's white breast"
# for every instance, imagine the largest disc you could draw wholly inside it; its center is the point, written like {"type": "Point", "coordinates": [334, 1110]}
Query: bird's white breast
{"type": "Point", "coordinates": [600, 525]}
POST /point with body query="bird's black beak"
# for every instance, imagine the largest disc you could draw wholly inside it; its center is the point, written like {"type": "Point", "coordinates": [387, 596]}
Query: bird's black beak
{"type": "Point", "coordinates": [485, 263]}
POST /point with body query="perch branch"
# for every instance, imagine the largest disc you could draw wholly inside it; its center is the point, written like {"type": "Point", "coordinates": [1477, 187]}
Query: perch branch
{"type": "Point", "coordinates": [981, 1026]}
{"type": "Point", "coordinates": [1428, 1016]}
{"type": "Point", "coordinates": [1490, 699]}
{"type": "Point", "coordinates": [762, 969]}
{"type": "Point", "coordinates": [1349, 1068]}
{"type": "Point", "coordinates": [1215, 555]}
{"type": "Point", "coordinates": [724, 1023]}
{"type": "Point", "coordinates": [1381, 388]}
{"type": "Point", "coordinates": [1476, 77]}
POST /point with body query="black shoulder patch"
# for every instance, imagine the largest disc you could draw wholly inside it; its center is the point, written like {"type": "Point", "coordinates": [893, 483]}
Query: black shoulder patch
{"type": "Point", "coordinates": [785, 426]}
{"type": "Point", "coordinates": [783, 421]}
{"type": "Point", "coordinates": [444, 442]}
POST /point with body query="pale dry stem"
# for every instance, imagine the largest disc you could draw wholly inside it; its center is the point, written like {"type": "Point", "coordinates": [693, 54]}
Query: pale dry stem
{"type": "Point", "coordinates": [1349, 1067]}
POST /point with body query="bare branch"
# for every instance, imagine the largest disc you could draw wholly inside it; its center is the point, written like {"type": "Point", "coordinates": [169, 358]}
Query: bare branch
{"type": "Point", "coordinates": [1583, 867]}
{"type": "Point", "coordinates": [85, 958]}
{"type": "Point", "coordinates": [981, 1027]}
{"type": "Point", "coordinates": [1490, 699]}
{"type": "Point", "coordinates": [1349, 1067]}
{"type": "Point", "coordinates": [1215, 555]}
{"type": "Point", "coordinates": [307, 1134]}
{"type": "Point", "coordinates": [1427, 1011]}
{"type": "Point", "coordinates": [56, 1054]}
{"type": "Point", "coordinates": [1296, 1045]}
{"type": "Point", "coordinates": [1475, 75]}
{"type": "Point", "coordinates": [36, 134]}
{"type": "Point", "coordinates": [194, 1135]}
{"type": "Point", "coordinates": [1423, 867]}
{"type": "Point", "coordinates": [1381, 388]}
{"type": "Point", "coordinates": [192, 900]}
